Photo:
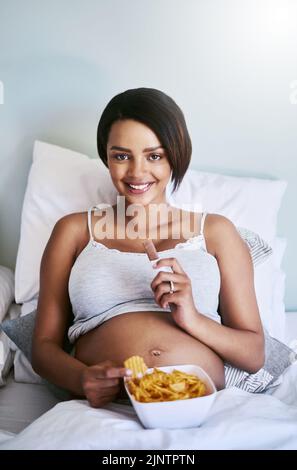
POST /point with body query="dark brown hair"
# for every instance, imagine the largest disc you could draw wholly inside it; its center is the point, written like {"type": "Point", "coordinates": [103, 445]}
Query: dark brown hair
{"type": "Point", "coordinates": [161, 114]}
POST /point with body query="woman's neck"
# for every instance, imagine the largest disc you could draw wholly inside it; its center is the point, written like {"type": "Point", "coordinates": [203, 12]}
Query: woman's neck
{"type": "Point", "coordinates": [149, 221]}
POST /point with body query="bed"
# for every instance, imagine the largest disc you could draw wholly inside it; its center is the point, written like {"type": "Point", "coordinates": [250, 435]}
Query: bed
{"type": "Point", "coordinates": [31, 417]}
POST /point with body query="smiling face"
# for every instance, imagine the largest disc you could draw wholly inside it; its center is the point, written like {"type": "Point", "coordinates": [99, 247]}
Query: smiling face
{"type": "Point", "coordinates": [138, 165]}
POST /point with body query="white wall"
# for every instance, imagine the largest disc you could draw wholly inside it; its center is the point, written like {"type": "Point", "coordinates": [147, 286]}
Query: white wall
{"type": "Point", "coordinates": [228, 63]}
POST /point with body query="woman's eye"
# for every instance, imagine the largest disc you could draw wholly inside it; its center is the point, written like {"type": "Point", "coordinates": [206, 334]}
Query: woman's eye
{"type": "Point", "coordinates": [120, 157]}
{"type": "Point", "coordinates": [158, 157]}
{"type": "Point", "coordinates": [123, 157]}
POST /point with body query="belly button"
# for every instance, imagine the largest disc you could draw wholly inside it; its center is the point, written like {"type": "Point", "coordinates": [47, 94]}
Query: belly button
{"type": "Point", "coordinates": [155, 352]}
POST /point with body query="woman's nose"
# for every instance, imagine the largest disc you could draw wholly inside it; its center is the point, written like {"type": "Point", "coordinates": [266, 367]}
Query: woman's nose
{"type": "Point", "coordinates": [137, 167]}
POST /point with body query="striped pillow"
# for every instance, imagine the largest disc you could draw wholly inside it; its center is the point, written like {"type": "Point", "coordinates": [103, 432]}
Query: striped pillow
{"type": "Point", "coordinates": [6, 290]}
{"type": "Point", "coordinates": [278, 357]}
{"type": "Point", "coordinates": [259, 248]}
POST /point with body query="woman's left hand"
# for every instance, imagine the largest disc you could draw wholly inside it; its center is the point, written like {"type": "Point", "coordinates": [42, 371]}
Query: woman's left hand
{"type": "Point", "coordinates": [181, 300]}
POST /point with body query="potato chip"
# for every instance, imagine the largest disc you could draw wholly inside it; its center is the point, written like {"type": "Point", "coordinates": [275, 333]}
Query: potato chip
{"type": "Point", "coordinates": [137, 365]}
{"type": "Point", "coordinates": [159, 386]}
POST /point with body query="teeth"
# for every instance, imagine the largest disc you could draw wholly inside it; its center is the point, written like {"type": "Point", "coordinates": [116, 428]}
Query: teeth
{"type": "Point", "coordinates": [141, 186]}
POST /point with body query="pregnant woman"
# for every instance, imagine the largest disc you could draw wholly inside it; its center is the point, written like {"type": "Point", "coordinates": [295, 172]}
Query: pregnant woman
{"type": "Point", "coordinates": [98, 287]}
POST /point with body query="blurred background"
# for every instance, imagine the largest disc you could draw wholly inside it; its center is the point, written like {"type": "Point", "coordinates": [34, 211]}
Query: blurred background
{"type": "Point", "coordinates": [231, 65]}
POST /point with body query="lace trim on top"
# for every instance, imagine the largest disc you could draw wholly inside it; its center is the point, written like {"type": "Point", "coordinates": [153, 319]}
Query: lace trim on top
{"type": "Point", "coordinates": [192, 243]}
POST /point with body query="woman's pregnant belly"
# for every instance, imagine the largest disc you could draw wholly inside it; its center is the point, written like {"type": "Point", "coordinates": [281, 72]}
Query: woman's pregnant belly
{"type": "Point", "coordinates": [152, 335]}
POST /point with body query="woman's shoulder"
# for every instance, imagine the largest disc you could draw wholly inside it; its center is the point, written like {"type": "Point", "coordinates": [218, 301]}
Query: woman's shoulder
{"type": "Point", "coordinates": [213, 223]}
{"type": "Point", "coordinates": [73, 220]}
{"type": "Point", "coordinates": [75, 226]}
{"type": "Point", "coordinates": [217, 223]}
{"type": "Point", "coordinates": [220, 232]}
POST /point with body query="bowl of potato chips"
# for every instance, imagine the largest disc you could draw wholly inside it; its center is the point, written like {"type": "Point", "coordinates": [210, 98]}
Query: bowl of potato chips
{"type": "Point", "coordinates": [169, 397]}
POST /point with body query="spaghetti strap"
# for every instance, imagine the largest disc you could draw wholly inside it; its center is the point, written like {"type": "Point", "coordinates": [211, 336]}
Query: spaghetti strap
{"type": "Point", "coordinates": [90, 222]}
{"type": "Point", "coordinates": [202, 223]}
{"type": "Point", "coordinates": [98, 206]}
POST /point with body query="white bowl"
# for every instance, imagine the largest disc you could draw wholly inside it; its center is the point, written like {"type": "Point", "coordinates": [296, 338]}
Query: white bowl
{"type": "Point", "coordinates": [178, 413]}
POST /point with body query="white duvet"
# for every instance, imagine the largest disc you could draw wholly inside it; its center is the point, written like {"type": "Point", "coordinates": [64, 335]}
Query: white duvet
{"type": "Point", "coordinates": [237, 420]}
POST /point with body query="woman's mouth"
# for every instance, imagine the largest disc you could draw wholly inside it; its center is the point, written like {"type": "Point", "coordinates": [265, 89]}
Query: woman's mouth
{"type": "Point", "coordinates": [138, 188]}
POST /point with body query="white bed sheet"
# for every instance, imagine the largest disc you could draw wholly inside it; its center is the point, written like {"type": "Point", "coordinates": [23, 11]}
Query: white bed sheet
{"type": "Point", "coordinates": [237, 420]}
{"type": "Point", "coordinates": [22, 403]}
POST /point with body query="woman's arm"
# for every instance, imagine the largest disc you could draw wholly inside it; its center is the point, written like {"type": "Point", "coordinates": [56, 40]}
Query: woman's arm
{"type": "Point", "coordinates": [54, 309]}
{"type": "Point", "coordinates": [239, 340]}
{"type": "Point", "coordinates": [99, 383]}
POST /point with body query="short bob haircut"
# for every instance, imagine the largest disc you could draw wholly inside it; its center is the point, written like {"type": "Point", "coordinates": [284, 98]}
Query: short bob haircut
{"type": "Point", "coordinates": [161, 114]}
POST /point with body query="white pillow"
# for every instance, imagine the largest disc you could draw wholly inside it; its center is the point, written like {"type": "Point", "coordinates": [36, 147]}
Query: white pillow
{"type": "Point", "coordinates": [264, 281]}
{"type": "Point", "coordinates": [6, 290]}
{"type": "Point", "coordinates": [23, 371]}
{"type": "Point", "coordinates": [6, 346]}
{"type": "Point", "coordinates": [278, 328]}
{"type": "Point", "coordinates": [252, 203]}
{"type": "Point", "coordinates": [270, 290]}
{"type": "Point", "coordinates": [62, 181]}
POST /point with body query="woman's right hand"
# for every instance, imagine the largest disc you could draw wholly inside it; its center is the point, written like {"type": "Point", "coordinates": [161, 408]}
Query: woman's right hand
{"type": "Point", "coordinates": [101, 382]}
